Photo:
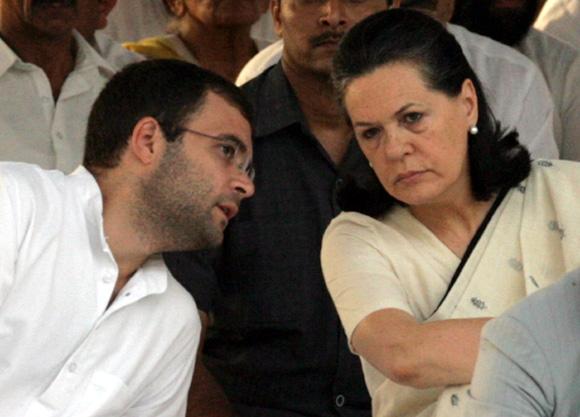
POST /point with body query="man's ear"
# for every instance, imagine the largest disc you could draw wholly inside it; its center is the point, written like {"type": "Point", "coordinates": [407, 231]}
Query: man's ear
{"type": "Point", "coordinates": [147, 141]}
{"type": "Point", "coordinates": [175, 7]}
{"type": "Point", "coordinates": [275, 10]}
{"type": "Point", "coordinates": [395, 4]}
{"type": "Point", "coordinates": [105, 7]}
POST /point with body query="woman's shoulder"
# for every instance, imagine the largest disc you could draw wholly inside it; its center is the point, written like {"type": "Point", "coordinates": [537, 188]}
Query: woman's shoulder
{"type": "Point", "coordinates": [355, 220]}
{"type": "Point", "coordinates": [370, 229]}
{"type": "Point", "coordinates": [557, 173]}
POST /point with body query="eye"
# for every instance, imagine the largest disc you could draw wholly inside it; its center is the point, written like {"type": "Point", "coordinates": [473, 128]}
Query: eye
{"type": "Point", "coordinates": [412, 118]}
{"type": "Point", "coordinates": [229, 151]}
{"type": "Point", "coordinates": [370, 133]}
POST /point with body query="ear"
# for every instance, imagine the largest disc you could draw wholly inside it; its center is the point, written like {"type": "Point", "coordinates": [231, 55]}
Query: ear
{"type": "Point", "coordinates": [445, 9]}
{"type": "Point", "coordinates": [176, 7]}
{"type": "Point", "coordinates": [468, 97]}
{"type": "Point", "coordinates": [105, 7]}
{"type": "Point", "coordinates": [275, 7]}
{"type": "Point", "coordinates": [147, 142]}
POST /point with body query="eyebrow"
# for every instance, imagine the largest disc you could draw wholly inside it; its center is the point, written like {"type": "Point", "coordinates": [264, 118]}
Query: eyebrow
{"type": "Point", "coordinates": [404, 108]}
{"type": "Point", "coordinates": [233, 139]}
{"type": "Point", "coordinates": [397, 113]}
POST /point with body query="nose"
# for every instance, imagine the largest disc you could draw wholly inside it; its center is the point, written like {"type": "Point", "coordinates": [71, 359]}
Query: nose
{"type": "Point", "coordinates": [243, 185]}
{"type": "Point", "coordinates": [334, 14]}
{"type": "Point", "coordinates": [396, 146]}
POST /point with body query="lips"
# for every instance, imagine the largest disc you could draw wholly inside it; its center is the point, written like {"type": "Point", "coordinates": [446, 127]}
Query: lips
{"type": "Point", "coordinates": [408, 176]}
{"type": "Point", "coordinates": [54, 3]}
{"type": "Point", "coordinates": [229, 209]}
{"type": "Point", "coordinates": [327, 38]}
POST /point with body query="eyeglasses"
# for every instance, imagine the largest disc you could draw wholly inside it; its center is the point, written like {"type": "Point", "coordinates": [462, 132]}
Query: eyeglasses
{"type": "Point", "coordinates": [233, 150]}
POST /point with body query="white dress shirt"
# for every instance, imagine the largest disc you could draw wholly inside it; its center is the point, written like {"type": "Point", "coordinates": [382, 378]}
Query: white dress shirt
{"type": "Point", "coordinates": [561, 18]}
{"type": "Point", "coordinates": [64, 351]}
{"type": "Point", "coordinates": [560, 64]}
{"type": "Point", "coordinates": [33, 127]}
{"type": "Point", "coordinates": [515, 88]}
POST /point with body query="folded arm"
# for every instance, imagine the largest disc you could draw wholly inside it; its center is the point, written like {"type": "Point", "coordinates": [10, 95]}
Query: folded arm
{"type": "Point", "coordinates": [420, 355]}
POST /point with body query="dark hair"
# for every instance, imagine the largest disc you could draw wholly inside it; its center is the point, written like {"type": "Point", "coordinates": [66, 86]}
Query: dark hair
{"type": "Point", "coordinates": [169, 90]}
{"type": "Point", "coordinates": [496, 159]}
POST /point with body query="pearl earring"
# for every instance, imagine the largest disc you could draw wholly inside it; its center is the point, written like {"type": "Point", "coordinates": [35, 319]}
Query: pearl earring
{"type": "Point", "coordinates": [473, 130]}
{"type": "Point", "coordinates": [370, 164]}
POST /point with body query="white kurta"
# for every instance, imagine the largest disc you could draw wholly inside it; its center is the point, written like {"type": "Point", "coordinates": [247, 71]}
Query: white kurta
{"type": "Point", "coordinates": [64, 352]}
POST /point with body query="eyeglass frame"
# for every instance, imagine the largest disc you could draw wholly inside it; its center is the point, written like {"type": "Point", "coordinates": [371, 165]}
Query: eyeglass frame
{"type": "Point", "coordinates": [246, 167]}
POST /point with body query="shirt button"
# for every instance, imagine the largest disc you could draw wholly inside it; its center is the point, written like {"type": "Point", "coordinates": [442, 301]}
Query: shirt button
{"type": "Point", "coordinates": [72, 367]}
{"type": "Point", "coordinates": [339, 400]}
{"type": "Point", "coordinates": [59, 135]}
{"type": "Point", "coordinates": [339, 182]}
{"type": "Point", "coordinates": [127, 294]}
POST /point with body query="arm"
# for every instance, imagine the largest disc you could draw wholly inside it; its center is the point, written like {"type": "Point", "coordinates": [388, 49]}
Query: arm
{"type": "Point", "coordinates": [15, 213]}
{"type": "Point", "coordinates": [378, 289]}
{"type": "Point", "coordinates": [512, 377]}
{"type": "Point", "coordinates": [196, 273]}
{"type": "Point", "coordinates": [206, 396]}
{"type": "Point", "coordinates": [420, 355]}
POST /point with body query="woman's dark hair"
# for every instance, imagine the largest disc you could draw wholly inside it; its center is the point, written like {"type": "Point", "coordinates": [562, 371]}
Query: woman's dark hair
{"type": "Point", "coordinates": [496, 158]}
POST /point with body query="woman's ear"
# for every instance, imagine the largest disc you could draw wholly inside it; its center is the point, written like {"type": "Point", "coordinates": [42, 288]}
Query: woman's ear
{"type": "Point", "coordinates": [468, 97]}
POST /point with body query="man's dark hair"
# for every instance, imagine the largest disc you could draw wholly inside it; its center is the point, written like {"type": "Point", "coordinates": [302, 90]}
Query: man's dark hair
{"type": "Point", "coordinates": [170, 91]}
{"type": "Point", "coordinates": [496, 159]}
{"type": "Point", "coordinates": [508, 25]}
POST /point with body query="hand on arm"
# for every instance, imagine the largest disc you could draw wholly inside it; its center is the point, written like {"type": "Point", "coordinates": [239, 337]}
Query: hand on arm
{"type": "Point", "coordinates": [206, 397]}
{"type": "Point", "coordinates": [420, 355]}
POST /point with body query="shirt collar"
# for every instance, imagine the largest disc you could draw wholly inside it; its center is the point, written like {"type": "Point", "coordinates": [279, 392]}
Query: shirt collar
{"type": "Point", "coordinates": [86, 58]}
{"type": "Point", "coordinates": [275, 105]}
{"type": "Point", "coordinates": [7, 57]}
{"type": "Point", "coordinates": [153, 274]}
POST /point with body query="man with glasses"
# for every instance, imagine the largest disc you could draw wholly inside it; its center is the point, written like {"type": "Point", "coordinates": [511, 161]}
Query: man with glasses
{"type": "Point", "coordinates": [91, 321]}
{"type": "Point", "coordinates": [274, 340]}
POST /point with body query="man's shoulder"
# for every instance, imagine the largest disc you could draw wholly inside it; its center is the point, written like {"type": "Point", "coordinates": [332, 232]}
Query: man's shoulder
{"type": "Point", "coordinates": [548, 305]}
{"type": "Point", "coordinates": [483, 50]}
{"type": "Point", "coordinates": [256, 87]}
{"type": "Point", "coordinates": [30, 177]}
{"type": "Point", "coordinates": [540, 46]}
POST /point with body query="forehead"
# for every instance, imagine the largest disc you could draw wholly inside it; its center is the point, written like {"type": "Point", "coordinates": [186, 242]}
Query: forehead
{"type": "Point", "coordinates": [220, 117]}
{"type": "Point", "coordinates": [386, 87]}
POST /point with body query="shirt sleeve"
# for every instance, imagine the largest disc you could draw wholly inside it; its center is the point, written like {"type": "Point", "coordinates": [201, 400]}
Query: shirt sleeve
{"type": "Point", "coordinates": [512, 375]}
{"type": "Point", "coordinates": [195, 271]}
{"type": "Point", "coordinates": [12, 214]}
{"type": "Point", "coordinates": [358, 272]}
